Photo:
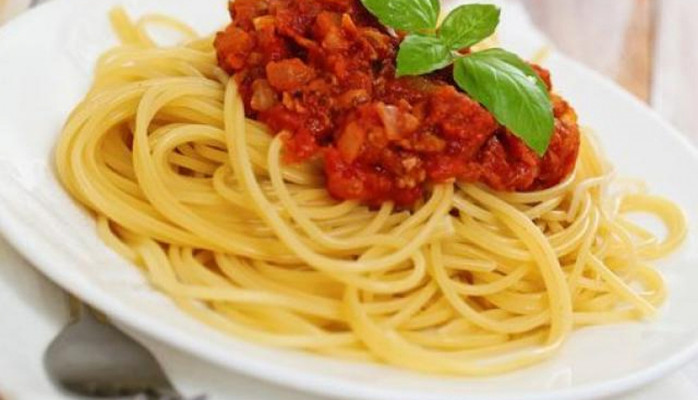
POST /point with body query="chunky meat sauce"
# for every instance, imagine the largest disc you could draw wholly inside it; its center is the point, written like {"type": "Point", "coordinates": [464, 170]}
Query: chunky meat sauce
{"type": "Point", "coordinates": [324, 72]}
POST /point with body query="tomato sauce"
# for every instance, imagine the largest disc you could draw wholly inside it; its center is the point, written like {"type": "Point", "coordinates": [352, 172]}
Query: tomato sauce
{"type": "Point", "coordinates": [323, 71]}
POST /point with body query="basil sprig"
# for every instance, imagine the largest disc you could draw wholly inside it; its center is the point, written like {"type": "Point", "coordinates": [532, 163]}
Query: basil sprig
{"type": "Point", "coordinates": [406, 15]}
{"type": "Point", "coordinates": [421, 54]}
{"type": "Point", "coordinates": [468, 25]}
{"type": "Point", "coordinates": [499, 80]}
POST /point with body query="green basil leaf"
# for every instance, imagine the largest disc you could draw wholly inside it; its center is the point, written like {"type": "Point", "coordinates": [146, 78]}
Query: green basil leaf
{"type": "Point", "coordinates": [469, 24]}
{"type": "Point", "coordinates": [512, 91]}
{"type": "Point", "coordinates": [406, 15]}
{"type": "Point", "coordinates": [420, 54]}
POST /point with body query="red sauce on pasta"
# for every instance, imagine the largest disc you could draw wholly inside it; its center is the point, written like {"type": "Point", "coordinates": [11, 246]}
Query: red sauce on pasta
{"type": "Point", "coordinates": [324, 72]}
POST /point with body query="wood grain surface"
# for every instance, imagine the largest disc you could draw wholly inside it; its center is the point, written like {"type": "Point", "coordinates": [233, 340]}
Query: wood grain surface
{"type": "Point", "coordinates": [647, 46]}
{"type": "Point", "coordinates": [3, 4]}
{"type": "Point", "coordinates": [635, 67]}
{"type": "Point", "coordinates": [612, 36]}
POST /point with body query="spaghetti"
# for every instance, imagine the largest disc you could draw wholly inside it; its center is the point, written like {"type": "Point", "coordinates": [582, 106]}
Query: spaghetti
{"type": "Point", "coordinates": [471, 282]}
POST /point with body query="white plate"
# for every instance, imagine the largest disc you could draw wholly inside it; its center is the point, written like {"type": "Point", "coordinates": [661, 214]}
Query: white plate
{"type": "Point", "coordinates": [34, 311]}
{"type": "Point", "coordinates": [45, 61]}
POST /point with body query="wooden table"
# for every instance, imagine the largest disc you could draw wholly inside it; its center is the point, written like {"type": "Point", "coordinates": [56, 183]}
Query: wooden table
{"type": "Point", "coordinates": [614, 37]}
{"type": "Point", "coordinates": [647, 46]}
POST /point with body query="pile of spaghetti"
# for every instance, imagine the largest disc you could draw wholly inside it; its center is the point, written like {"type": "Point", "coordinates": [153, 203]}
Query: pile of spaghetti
{"type": "Point", "coordinates": [469, 281]}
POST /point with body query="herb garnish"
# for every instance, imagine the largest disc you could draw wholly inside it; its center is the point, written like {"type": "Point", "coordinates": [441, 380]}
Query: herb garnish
{"type": "Point", "coordinates": [499, 80]}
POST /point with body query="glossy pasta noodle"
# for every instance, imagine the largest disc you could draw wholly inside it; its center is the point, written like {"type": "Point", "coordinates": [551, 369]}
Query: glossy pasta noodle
{"type": "Point", "coordinates": [471, 282]}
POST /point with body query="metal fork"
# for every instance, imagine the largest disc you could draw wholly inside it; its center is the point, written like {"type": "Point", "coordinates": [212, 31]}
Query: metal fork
{"type": "Point", "coordinates": [90, 357]}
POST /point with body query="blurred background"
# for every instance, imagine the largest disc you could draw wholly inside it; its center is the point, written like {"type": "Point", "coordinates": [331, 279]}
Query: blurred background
{"type": "Point", "coordinates": [647, 46]}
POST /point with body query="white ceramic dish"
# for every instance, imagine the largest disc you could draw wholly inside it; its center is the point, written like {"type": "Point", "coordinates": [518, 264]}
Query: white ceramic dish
{"type": "Point", "coordinates": [34, 311]}
{"type": "Point", "coordinates": [46, 59]}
